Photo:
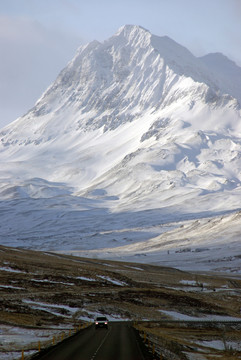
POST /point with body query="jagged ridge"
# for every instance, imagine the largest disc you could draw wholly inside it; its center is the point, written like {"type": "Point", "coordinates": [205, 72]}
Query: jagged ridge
{"type": "Point", "coordinates": [108, 84]}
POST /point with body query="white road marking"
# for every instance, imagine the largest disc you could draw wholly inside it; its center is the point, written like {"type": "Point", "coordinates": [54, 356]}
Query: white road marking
{"type": "Point", "coordinates": [100, 345]}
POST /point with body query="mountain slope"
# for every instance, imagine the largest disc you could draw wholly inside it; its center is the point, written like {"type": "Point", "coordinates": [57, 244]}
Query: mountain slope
{"type": "Point", "coordinates": [227, 71]}
{"type": "Point", "coordinates": [131, 125]}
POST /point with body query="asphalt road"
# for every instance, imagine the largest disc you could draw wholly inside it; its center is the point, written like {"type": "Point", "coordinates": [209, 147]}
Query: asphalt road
{"type": "Point", "coordinates": [119, 342]}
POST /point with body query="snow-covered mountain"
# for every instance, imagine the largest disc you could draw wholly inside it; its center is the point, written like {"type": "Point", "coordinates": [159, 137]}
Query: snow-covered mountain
{"type": "Point", "coordinates": [226, 71]}
{"type": "Point", "coordinates": [134, 133]}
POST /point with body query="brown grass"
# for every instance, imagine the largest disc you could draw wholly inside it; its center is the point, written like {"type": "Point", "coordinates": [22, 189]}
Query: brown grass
{"type": "Point", "coordinates": [145, 291]}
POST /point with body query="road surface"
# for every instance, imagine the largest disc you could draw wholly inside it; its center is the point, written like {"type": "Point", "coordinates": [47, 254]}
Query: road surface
{"type": "Point", "coordinates": [119, 342]}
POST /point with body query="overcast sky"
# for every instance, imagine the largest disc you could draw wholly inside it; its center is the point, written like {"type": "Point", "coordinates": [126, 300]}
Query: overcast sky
{"type": "Point", "coordinates": [39, 37]}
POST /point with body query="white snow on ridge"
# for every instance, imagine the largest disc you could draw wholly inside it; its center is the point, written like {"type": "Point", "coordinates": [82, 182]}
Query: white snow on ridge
{"type": "Point", "coordinates": [85, 278]}
{"type": "Point", "coordinates": [9, 269]}
{"type": "Point", "coordinates": [11, 287]}
{"type": "Point", "coordinates": [135, 133]}
{"type": "Point", "coordinates": [178, 316]}
{"type": "Point", "coordinates": [112, 281]}
{"type": "Point", "coordinates": [52, 308]}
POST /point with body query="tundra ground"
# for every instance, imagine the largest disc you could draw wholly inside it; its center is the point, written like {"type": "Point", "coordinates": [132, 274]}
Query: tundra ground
{"type": "Point", "coordinates": [45, 294]}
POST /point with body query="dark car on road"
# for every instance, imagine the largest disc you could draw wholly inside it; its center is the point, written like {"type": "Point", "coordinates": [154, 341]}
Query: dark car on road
{"type": "Point", "coordinates": [101, 321]}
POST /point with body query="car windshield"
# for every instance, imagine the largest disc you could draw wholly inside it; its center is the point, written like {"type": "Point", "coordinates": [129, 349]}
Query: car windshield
{"type": "Point", "coordinates": [101, 318]}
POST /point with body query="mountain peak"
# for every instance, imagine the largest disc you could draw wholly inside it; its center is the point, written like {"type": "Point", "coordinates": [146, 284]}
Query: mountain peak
{"type": "Point", "coordinates": [134, 34]}
{"type": "Point", "coordinates": [108, 84]}
{"type": "Point", "coordinates": [128, 29]}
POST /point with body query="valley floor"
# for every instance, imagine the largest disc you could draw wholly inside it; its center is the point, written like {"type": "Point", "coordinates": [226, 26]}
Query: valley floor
{"type": "Point", "coordinates": [45, 296]}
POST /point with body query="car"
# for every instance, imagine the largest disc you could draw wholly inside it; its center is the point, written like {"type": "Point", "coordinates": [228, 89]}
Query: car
{"type": "Point", "coordinates": [101, 321]}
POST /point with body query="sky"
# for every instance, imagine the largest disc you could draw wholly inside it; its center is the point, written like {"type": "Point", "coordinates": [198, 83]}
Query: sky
{"type": "Point", "coordinates": [39, 37]}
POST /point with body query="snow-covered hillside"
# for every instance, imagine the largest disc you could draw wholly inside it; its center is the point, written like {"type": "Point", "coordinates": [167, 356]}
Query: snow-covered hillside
{"type": "Point", "coordinates": [135, 133]}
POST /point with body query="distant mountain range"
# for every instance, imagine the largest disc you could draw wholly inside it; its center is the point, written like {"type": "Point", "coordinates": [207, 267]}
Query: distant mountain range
{"type": "Point", "coordinates": [134, 126]}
